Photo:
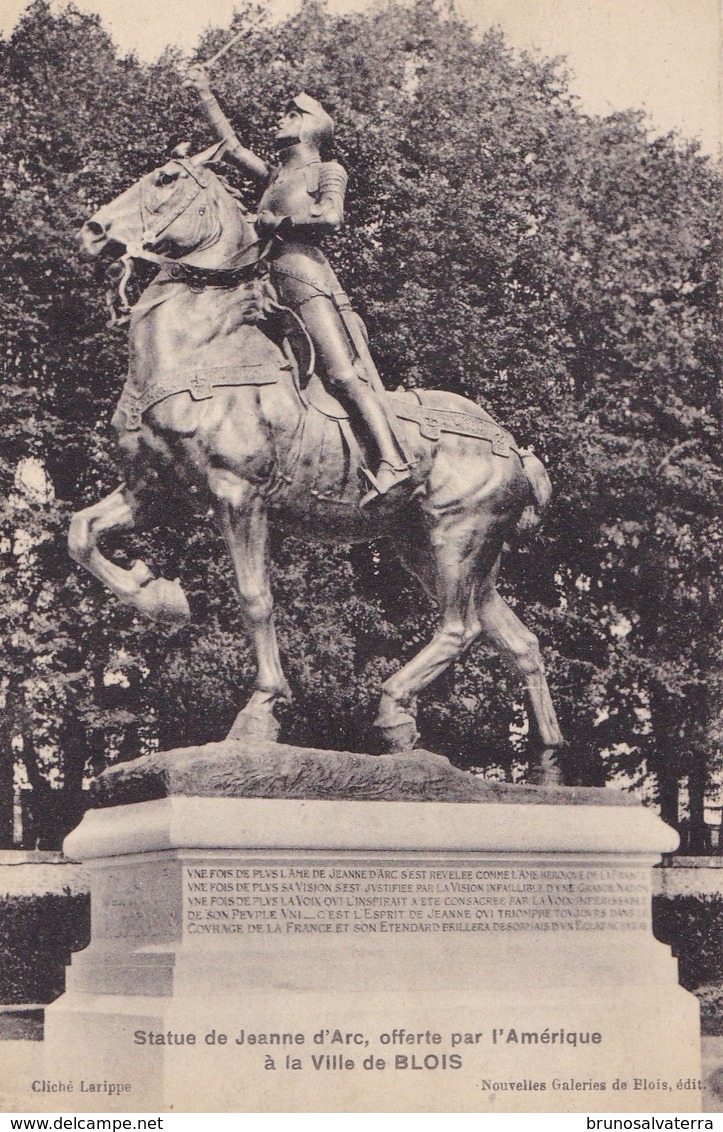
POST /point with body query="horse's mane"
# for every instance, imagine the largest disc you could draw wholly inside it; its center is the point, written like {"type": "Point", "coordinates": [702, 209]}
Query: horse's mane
{"type": "Point", "coordinates": [232, 191]}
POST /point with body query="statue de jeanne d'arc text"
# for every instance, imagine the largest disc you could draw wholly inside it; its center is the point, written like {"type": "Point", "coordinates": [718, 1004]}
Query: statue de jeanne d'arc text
{"type": "Point", "coordinates": [250, 381]}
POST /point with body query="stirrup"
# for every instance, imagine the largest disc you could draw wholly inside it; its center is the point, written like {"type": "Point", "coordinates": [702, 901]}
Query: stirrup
{"type": "Point", "coordinates": [386, 479]}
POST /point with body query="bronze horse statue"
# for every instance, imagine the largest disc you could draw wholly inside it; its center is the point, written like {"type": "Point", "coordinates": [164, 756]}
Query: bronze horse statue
{"type": "Point", "coordinates": [216, 397]}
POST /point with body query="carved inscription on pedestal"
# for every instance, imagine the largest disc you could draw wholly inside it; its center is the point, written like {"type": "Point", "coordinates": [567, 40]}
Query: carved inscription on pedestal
{"type": "Point", "coordinates": [237, 897]}
{"type": "Point", "coordinates": [137, 901]}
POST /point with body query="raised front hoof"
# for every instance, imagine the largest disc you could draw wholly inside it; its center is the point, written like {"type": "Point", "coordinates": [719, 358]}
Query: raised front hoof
{"type": "Point", "coordinates": [79, 539]}
{"type": "Point", "coordinates": [546, 772]}
{"type": "Point", "coordinates": [165, 602]}
{"type": "Point", "coordinates": [392, 739]}
{"type": "Point", "coordinates": [254, 725]}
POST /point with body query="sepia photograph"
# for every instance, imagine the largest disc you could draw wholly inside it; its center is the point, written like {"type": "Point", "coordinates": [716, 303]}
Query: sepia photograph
{"type": "Point", "coordinates": [361, 696]}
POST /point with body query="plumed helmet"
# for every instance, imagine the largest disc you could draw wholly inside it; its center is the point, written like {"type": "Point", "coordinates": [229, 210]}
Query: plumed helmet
{"type": "Point", "coordinates": [317, 126]}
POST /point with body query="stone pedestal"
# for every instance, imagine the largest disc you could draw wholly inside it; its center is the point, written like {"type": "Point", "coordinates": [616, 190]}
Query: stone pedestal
{"type": "Point", "coordinates": [258, 954]}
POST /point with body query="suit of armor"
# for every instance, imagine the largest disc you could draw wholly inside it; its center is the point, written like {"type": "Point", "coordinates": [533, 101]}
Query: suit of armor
{"type": "Point", "coordinates": [302, 202]}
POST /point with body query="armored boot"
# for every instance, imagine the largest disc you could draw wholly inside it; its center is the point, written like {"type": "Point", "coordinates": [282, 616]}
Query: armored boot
{"type": "Point", "coordinates": [387, 477]}
{"type": "Point", "coordinates": [374, 426]}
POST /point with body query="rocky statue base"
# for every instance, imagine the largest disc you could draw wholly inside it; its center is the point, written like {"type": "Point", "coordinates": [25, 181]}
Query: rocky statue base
{"type": "Point", "coordinates": [317, 954]}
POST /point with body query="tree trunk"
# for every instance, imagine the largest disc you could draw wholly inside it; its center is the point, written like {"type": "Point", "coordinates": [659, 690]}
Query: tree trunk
{"type": "Point", "coordinates": [665, 763]}
{"type": "Point", "coordinates": [668, 795]}
{"type": "Point", "coordinates": [699, 840]}
{"type": "Point", "coordinates": [7, 775]}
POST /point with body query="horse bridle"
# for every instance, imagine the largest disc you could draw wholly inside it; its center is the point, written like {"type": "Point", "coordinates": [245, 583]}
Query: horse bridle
{"type": "Point", "coordinates": [196, 277]}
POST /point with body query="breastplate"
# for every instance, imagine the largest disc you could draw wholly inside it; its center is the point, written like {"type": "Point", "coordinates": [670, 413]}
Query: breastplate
{"type": "Point", "coordinates": [292, 192]}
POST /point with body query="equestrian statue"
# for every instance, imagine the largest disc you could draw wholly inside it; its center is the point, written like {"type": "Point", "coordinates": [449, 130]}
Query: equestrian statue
{"type": "Point", "coordinates": [250, 383]}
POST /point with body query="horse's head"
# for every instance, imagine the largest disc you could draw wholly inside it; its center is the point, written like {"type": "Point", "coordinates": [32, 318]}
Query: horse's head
{"type": "Point", "coordinates": [178, 209]}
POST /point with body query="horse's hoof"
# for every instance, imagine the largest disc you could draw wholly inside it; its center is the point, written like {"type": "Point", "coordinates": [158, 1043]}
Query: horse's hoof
{"type": "Point", "coordinates": [397, 737]}
{"type": "Point", "coordinates": [254, 725]}
{"type": "Point", "coordinates": [164, 602]}
{"type": "Point", "coordinates": [140, 574]}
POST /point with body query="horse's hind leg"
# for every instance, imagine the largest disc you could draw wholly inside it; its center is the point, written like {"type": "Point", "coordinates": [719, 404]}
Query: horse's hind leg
{"type": "Point", "coordinates": [154, 597]}
{"type": "Point", "coordinates": [519, 649]}
{"type": "Point", "coordinates": [447, 573]}
{"type": "Point", "coordinates": [245, 529]}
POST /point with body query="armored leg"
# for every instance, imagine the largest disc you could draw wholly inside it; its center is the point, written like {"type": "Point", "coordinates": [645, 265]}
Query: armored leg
{"type": "Point", "coordinates": [347, 379]}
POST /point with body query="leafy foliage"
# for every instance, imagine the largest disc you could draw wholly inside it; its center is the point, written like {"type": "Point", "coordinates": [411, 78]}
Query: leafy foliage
{"type": "Point", "coordinates": [558, 268]}
{"type": "Point", "coordinates": [693, 926]}
{"type": "Point", "coordinates": [37, 936]}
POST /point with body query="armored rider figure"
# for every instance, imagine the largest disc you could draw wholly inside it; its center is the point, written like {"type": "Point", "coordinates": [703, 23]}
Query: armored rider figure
{"type": "Point", "coordinates": [302, 202]}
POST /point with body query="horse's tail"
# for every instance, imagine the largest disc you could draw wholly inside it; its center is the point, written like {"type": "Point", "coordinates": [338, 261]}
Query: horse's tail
{"type": "Point", "coordinates": [540, 490]}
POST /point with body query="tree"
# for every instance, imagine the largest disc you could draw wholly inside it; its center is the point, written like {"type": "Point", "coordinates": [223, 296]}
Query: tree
{"type": "Point", "coordinates": [67, 135]}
